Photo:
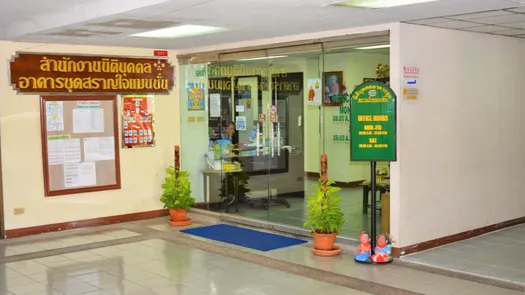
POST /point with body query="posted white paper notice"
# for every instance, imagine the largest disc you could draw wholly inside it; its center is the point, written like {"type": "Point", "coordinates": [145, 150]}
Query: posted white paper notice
{"type": "Point", "coordinates": [239, 108]}
{"type": "Point", "coordinates": [215, 105]}
{"type": "Point", "coordinates": [56, 152]}
{"type": "Point", "coordinates": [88, 120]}
{"type": "Point", "coordinates": [72, 150]}
{"type": "Point", "coordinates": [55, 115]}
{"type": "Point", "coordinates": [61, 151]}
{"type": "Point", "coordinates": [99, 148]}
{"type": "Point", "coordinates": [80, 174]}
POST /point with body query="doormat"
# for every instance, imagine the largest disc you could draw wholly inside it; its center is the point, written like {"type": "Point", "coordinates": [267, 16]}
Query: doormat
{"type": "Point", "coordinates": [244, 237]}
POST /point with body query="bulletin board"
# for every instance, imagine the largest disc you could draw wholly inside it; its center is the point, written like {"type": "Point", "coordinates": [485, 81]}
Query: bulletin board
{"type": "Point", "coordinates": [79, 144]}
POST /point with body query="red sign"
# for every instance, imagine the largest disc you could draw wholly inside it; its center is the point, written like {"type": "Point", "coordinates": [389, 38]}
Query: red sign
{"type": "Point", "coordinates": [160, 53]}
{"type": "Point", "coordinates": [137, 113]}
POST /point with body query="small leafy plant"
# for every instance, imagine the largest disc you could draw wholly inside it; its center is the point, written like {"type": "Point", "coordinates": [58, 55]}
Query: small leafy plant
{"type": "Point", "coordinates": [324, 213]}
{"type": "Point", "coordinates": [177, 190]}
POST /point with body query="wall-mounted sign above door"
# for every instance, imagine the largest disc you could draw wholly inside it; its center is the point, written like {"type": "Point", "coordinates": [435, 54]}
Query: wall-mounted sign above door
{"type": "Point", "coordinates": [63, 73]}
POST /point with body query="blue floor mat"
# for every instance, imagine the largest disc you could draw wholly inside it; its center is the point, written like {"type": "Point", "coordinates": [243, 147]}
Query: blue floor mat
{"type": "Point", "coordinates": [243, 237]}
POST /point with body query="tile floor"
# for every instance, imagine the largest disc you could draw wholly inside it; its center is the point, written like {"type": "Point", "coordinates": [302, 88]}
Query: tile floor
{"type": "Point", "coordinates": [499, 254]}
{"type": "Point", "coordinates": [151, 267]}
{"type": "Point", "coordinates": [164, 261]}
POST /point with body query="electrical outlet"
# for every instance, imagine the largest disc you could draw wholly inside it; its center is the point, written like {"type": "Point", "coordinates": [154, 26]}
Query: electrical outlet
{"type": "Point", "coordinates": [19, 211]}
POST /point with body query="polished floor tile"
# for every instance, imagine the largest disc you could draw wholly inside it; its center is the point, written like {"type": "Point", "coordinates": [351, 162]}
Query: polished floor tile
{"type": "Point", "coordinates": [496, 255]}
{"type": "Point", "coordinates": [152, 267]}
{"type": "Point", "coordinates": [75, 240]}
{"type": "Point", "coordinates": [157, 264]}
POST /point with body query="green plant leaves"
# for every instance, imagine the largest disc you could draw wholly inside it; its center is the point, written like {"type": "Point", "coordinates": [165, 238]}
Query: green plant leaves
{"type": "Point", "coordinates": [324, 213]}
{"type": "Point", "coordinates": [177, 190]}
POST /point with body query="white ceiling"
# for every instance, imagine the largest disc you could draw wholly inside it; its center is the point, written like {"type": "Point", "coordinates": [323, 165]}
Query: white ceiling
{"type": "Point", "coordinates": [506, 22]}
{"type": "Point", "coordinates": [93, 22]}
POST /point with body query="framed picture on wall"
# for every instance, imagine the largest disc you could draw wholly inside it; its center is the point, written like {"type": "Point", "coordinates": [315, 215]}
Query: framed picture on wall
{"type": "Point", "coordinates": [333, 86]}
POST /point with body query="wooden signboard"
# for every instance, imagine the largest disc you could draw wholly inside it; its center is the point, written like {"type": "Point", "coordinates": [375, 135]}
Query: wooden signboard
{"type": "Point", "coordinates": [64, 73]}
{"type": "Point", "coordinates": [79, 144]}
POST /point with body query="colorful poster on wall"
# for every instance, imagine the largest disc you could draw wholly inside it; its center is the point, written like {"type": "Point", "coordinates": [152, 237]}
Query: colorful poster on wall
{"type": "Point", "coordinates": [314, 92]}
{"type": "Point", "coordinates": [373, 123]}
{"type": "Point", "coordinates": [138, 121]}
{"type": "Point", "coordinates": [196, 101]}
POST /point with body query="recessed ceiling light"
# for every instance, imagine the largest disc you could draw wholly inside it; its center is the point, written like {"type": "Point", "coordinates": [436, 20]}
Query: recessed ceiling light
{"type": "Point", "coordinates": [264, 57]}
{"type": "Point", "coordinates": [181, 32]}
{"type": "Point", "coordinates": [373, 47]}
{"type": "Point", "coordinates": [380, 3]}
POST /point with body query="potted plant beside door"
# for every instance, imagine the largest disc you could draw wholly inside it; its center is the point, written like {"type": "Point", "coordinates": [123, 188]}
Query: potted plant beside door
{"type": "Point", "coordinates": [325, 218]}
{"type": "Point", "coordinates": [176, 196]}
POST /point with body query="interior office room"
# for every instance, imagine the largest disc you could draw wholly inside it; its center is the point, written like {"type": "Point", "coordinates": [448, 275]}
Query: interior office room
{"type": "Point", "coordinates": [285, 92]}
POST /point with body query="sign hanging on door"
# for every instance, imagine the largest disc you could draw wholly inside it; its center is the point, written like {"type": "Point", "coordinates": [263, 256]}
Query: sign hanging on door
{"type": "Point", "coordinates": [373, 123]}
{"type": "Point", "coordinates": [240, 123]}
{"type": "Point", "coordinates": [273, 114]}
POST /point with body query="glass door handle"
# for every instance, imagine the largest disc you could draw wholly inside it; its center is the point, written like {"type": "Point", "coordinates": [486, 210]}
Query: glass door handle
{"type": "Point", "coordinates": [272, 140]}
{"type": "Point", "coordinates": [257, 140]}
{"type": "Point", "coordinates": [278, 139]}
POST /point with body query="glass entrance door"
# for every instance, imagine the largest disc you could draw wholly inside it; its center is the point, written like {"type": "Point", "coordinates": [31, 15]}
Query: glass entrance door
{"type": "Point", "coordinates": [286, 173]}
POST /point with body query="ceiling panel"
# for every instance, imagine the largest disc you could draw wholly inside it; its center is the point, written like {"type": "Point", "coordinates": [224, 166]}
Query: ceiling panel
{"type": "Point", "coordinates": [472, 16]}
{"type": "Point", "coordinates": [516, 25]}
{"type": "Point", "coordinates": [506, 22]}
{"type": "Point", "coordinates": [502, 19]}
{"type": "Point", "coordinates": [512, 32]}
{"type": "Point", "coordinates": [457, 25]}
{"type": "Point", "coordinates": [486, 29]}
{"type": "Point", "coordinates": [430, 21]}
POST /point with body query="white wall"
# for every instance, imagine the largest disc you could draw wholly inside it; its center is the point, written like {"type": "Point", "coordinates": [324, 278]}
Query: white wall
{"type": "Point", "coordinates": [461, 146]}
{"type": "Point", "coordinates": [142, 169]}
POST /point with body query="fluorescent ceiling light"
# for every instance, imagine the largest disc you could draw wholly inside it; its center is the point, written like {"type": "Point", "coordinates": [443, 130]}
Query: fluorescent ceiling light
{"type": "Point", "coordinates": [264, 57]}
{"type": "Point", "coordinates": [373, 47]}
{"type": "Point", "coordinates": [181, 32]}
{"type": "Point", "coordinates": [380, 3]}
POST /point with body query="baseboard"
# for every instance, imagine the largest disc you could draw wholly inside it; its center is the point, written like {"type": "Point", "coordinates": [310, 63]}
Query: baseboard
{"type": "Point", "coordinates": [398, 252]}
{"type": "Point", "coordinates": [35, 230]}
{"type": "Point", "coordinates": [338, 183]}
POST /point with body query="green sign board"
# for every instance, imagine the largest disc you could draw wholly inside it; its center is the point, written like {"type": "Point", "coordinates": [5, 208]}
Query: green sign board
{"type": "Point", "coordinates": [373, 123]}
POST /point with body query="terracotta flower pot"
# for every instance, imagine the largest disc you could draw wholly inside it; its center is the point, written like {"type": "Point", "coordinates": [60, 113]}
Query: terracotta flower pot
{"type": "Point", "coordinates": [178, 214]}
{"type": "Point", "coordinates": [324, 241]}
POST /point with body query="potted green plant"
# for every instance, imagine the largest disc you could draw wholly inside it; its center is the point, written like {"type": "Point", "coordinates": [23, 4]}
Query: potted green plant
{"type": "Point", "coordinates": [325, 218]}
{"type": "Point", "coordinates": [176, 196]}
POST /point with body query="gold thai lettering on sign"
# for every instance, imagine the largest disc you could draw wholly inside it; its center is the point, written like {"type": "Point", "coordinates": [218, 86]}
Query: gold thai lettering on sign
{"type": "Point", "coordinates": [241, 70]}
{"type": "Point", "coordinates": [214, 84]}
{"type": "Point", "coordinates": [38, 73]}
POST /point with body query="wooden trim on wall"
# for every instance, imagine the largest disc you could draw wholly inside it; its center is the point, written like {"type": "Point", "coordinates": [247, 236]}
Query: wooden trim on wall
{"type": "Point", "coordinates": [35, 230]}
{"type": "Point", "coordinates": [398, 252]}
{"type": "Point", "coordinates": [337, 183]}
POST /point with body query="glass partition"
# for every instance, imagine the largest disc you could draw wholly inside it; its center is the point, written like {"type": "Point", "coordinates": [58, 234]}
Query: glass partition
{"type": "Point", "coordinates": [254, 126]}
